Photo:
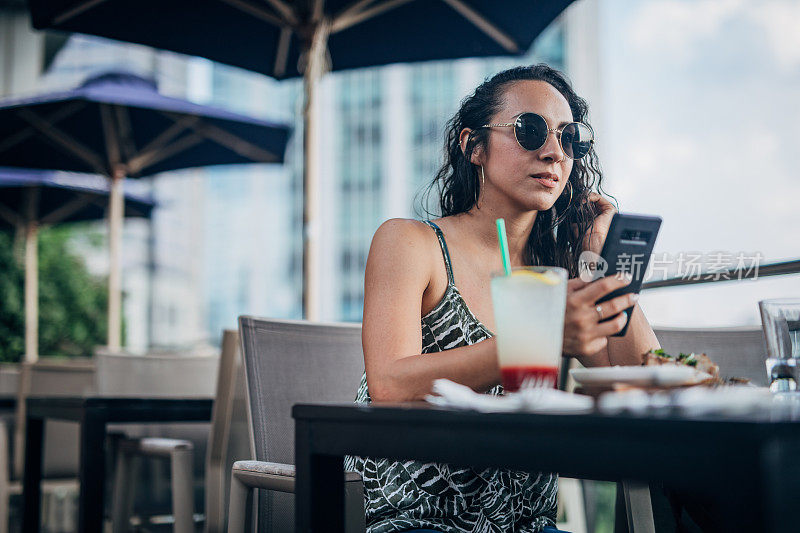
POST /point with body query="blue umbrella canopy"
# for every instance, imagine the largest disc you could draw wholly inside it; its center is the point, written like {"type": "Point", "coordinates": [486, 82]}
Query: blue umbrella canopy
{"type": "Point", "coordinates": [271, 36]}
{"type": "Point", "coordinates": [288, 38]}
{"type": "Point", "coordinates": [32, 198]}
{"type": "Point", "coordinates": [118, 125]}
{"type": "Point", "coordinates": [118, 120]}
{"type": "Point", "coordinates": [47, 198]}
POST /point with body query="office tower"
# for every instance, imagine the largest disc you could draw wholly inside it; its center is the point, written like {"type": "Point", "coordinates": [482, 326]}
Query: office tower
{"type": "Point", "coordinates": [227, 241]}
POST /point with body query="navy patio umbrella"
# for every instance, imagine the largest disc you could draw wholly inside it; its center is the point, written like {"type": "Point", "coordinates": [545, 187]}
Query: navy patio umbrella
{"type": "Point", "coordinates": [119, 126]}
{"type": "Point", "coordinates": [290, 38]}
{"type": "Point", "coordinates": [31, 199]}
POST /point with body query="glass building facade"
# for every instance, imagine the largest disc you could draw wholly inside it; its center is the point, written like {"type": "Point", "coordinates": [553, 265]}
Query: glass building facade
{"type": "Point", "coordinates": [227, 241]}
{"type": "Point", "coordinates": [359, 148]}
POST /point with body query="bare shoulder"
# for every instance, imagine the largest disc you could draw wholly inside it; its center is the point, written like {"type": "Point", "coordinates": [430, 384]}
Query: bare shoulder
{"type": "Point", "coordinates": [403, 234]}
{"type": "Point", "coordinates": [402, 248]}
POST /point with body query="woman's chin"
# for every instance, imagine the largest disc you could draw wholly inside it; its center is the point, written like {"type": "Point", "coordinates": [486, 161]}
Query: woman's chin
{"type": "Point", "coordinates": [537, 202]}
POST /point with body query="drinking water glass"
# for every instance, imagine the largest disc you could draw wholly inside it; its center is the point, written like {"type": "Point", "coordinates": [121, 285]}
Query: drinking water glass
{"type": "Point", "coordinates": [529, 308]}
{"type": "Point", "coordinates": [780, 319]}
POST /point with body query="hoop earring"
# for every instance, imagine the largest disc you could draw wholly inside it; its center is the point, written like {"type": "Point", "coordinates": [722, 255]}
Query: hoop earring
{"type": "Point", "coordinates": [564, 212]}
{"type": "Point", "coordinates": [483, 178]}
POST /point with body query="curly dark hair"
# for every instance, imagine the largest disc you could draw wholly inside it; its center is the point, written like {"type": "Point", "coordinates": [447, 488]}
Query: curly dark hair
{"type": "Point", "coordinates": [555, 240]}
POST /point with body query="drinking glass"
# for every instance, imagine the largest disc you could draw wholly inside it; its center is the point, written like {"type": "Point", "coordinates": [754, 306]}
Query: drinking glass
{"type": "Point", "coordinates": [780, 319]}
{"type": "Point", "coordinates": [529, 308]}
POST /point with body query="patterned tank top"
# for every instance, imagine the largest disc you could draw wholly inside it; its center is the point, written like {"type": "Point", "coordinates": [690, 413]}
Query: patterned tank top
{"type": "Point", "coordinates": [403, 495]}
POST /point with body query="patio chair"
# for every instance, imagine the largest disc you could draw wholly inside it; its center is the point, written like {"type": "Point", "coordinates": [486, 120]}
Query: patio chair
{"type": "Point", "coordinates": [739, 352]}
{"type": "Point", "coordinates": [230, 439]}
{"type": "Point", "coordinates": [60, 462]}
{"type": "Point", "coordinates": [9, 379]}
{"type": "Point", "coordinates": [158, 375]}
{"type": "Point", "coordinates": [9, 386]}
{"type": "Point", "coordinates": [288, 362]}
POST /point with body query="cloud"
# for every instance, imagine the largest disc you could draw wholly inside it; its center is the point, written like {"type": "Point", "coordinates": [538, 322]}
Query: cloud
{"type": "Point", "coordinates": [701, 127]}
{"type": "Point", "coordinates": [684, 29]}
{"type": "Point", "coordinates": [679, 26]}
{"type": "Point", "coordinates": [779, 22]}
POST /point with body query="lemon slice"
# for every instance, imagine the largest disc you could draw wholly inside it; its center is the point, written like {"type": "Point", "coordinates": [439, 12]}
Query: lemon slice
{"type": "Point", "coordinates": [546, 277]}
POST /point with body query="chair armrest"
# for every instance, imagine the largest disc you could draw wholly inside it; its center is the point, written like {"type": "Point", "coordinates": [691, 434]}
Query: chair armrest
{"type": "Point", "coordinates": [152, 446]}
{"type": "Point", "coordinates": [264, 475]}
{"type": "Point", "coordinates": [246, 475]}
{"type": "Point", "coordinates": [273, 476]}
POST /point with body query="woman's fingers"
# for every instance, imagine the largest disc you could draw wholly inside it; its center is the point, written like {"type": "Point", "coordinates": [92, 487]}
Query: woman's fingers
{"type": "Point", "coordinates": [599, 288]}
{"type": "Point", "coordinates": [609, 327]}
{"type": "Point", "coordinates": [584, 334]}
{"type": "Point", "coordinates": [575, 284]}
{"type": "Point", "coordinates": [596, 235]}
{"type": "Point", "coordinates": [602, 204]}
{"type": "Point", "coordinates": [616, 305]}
{"type": "Point", "coordinates": [574, 346]}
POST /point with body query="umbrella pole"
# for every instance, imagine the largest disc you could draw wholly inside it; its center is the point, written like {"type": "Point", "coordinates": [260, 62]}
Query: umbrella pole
{"type": "Point", "coordinates": [316, 51]}
{"type": "Point", "coordinates": [31, 293]}
{"type": "Point", "coordinates": [115, 263]}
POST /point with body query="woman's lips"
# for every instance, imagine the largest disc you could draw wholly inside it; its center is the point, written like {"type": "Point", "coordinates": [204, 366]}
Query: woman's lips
{"type": "Point", "coordinates": [547, 182]}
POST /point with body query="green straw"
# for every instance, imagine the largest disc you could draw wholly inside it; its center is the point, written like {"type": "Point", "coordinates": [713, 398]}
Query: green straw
{"type": "Point", "coordinates": [501, 236]}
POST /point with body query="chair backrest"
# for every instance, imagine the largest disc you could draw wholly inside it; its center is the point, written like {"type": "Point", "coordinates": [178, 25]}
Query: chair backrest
{"type": "Point", "coordinates": [165, 374]}
{"type": "Point", "coordinates": [70, 377]}
{"type": "Point", "coordinates": [230, 438]}
{"type": "Point", "coordinates": [156, 375]}
{"type": "Point", "coordinates": [9, 379]}
{"type": "Point", "coordinates": [289, 362]}
{"type": "Point", "coordinates": [739, 351]}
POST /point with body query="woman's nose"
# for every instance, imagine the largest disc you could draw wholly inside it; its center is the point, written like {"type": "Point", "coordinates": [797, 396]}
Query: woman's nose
{"type": "Point", "coordinates": [551, 149]}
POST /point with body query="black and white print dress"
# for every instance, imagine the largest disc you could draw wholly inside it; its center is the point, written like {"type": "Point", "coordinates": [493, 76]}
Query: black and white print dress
{"type": "Point", "coordinates": [403, 495]}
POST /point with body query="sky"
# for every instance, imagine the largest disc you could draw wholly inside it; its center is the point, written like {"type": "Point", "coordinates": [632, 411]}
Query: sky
{"type": "Point", "coordinates": [701, 111]}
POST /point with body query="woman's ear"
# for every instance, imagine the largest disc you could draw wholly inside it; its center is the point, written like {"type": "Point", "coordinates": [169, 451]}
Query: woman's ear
{"type": "Point", "coordinates": [464, 139]}
{"type": "Point", "coordinates": [477, 156]}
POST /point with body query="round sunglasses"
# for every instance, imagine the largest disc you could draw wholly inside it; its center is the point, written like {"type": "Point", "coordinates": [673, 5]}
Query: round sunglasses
{"type": "Point", "coordinates": [575, 138]}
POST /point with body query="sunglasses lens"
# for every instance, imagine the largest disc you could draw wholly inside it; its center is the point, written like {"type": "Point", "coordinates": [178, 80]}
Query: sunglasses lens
{"type": "Point", "coordinates": [531, 130]}
{"type": "Point", "coordinates": [576, 140]}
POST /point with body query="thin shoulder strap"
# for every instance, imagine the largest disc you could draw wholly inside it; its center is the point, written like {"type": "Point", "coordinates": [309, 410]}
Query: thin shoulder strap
{"type": "Point", "coordinates": [445, 253]}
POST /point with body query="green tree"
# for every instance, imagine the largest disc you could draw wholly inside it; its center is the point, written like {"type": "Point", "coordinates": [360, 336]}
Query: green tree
{"type": "Point", "coordinates": [12, 312]}
{"type": "Point", "coordinates": [72, 302]}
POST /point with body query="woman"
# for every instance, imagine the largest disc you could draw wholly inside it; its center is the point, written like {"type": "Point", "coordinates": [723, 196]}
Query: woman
{"type": "Point", "coordinates": [427, 292]}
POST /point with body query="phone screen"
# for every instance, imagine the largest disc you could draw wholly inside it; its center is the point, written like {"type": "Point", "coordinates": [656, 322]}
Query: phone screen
{"type": "Point", "coordinates": [627, 249]}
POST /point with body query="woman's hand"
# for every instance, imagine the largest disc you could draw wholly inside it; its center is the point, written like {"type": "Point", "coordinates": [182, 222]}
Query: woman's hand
{"type": "Point", "coordinates": [596, 235]}
{"type": "Point", "coordinates": [584, 335]}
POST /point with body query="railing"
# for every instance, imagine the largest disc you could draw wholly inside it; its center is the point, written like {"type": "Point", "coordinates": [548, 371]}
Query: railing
{"type": "Point", "coordinates": [770, 269]}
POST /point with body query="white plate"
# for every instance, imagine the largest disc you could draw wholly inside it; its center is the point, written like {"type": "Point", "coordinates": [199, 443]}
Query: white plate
{"type": "Point", "coordinates": [663, 375]}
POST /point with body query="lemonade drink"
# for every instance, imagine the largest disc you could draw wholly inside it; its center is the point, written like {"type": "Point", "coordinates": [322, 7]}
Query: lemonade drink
{"type": "Point", "coordinates": [529, 308]}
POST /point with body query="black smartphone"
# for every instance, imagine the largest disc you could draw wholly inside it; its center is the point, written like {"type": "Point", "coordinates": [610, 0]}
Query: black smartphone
{"type": "Point", "coordinates": [627, 249]}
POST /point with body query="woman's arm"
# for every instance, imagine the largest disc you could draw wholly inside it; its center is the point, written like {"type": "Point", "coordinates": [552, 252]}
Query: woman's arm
{"type": "Point", "coordinates": [403, 259]}
{"type": "Point", "coordinates": [627, 350]}
{"type": "Point", "coordinates": [639, 338]}
{"type": "Point", "coordinates": [400, 267]}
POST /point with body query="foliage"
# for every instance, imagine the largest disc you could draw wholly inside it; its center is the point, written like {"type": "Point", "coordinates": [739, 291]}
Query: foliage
{"type": "Point", "coordinates": [12, 312]}
{"type": "Point", "coordinates": [72, 302]}
{"type": "Point", "coordinates": [605, 497]}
